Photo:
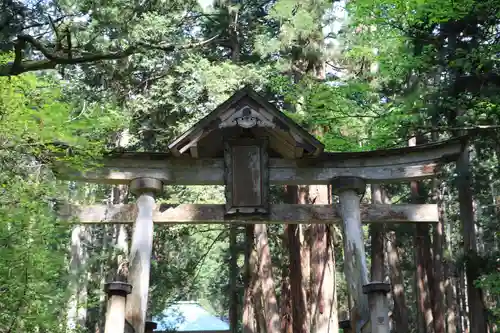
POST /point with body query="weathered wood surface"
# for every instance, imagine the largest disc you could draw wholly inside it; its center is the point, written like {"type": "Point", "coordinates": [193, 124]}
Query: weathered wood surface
{"type": "Point", "coordinates": [355, 263]}
{"type": "Point", "coordinates": [379, 314]}
{"type": "Point", "coordinates": [246, 176]}
{"type": "Point", "coordinates": [140, 262]}
{"type": "Point", "coordinates": [282, 213]}
{"type": "Point", "coordinates": [379, 166]}
{"type": "Point", "coordinates": [115, 315]}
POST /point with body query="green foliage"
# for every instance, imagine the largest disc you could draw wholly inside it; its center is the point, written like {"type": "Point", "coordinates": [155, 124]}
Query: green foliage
{"type": "Point", "coordinates": [32, 246]}
{"type": "Point", "coordinates": [184, 95]}
{"type": "Point", "coordinates": [37, 128]}
{"type": "Point", "coordinates": [394, 69]}
{"type": "Point", "coordinates": [491, 284]}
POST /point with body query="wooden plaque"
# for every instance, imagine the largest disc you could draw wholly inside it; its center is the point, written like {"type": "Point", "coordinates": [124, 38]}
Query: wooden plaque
{"type": "Point", "coordinates": [246, 176]}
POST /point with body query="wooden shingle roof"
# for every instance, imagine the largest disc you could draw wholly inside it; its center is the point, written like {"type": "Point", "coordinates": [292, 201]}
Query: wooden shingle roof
{"type": "Point", "coordinates": [246, 113]}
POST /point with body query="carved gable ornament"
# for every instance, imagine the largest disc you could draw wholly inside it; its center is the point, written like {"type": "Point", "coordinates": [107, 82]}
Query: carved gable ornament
{"type": "Point", "coordinates": [247, 117]}
{"type": "Point", "coordinates": [246, 114]}
{"type": "Point", "coordinates": [246, 131]}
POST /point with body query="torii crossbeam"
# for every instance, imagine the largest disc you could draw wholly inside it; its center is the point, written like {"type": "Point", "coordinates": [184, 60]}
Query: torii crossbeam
{"type": "Point", "coordinates": [246, 144]}
{"type": "Point", "coordinates": [281, 213]}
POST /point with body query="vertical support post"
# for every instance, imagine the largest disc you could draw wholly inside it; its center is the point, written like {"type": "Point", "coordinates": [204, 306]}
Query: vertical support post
{"type": "Point", "coordinates": [150, 327]}
{"type": "Point", "coordinates": [377, 298]}
{"type": "Point", "coordinates": [140, 251]}
{"type": "Point", "coordinates": [350, 190]}
{"type": "Point", "coordinates": [115, 313]}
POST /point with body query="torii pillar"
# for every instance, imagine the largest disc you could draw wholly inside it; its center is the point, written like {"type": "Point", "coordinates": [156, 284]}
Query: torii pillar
{"type": "Point", "coordinates": [140, 251]}
{"type": "Point", "coordinates": [115, 313]}
{"type": "Point", "coordinates": [350, 190]}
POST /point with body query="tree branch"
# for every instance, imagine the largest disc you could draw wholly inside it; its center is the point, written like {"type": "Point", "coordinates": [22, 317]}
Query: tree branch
{"type": "Point", "coordinates": [41, 24]}
{"type": "Point", "coordinates": [172, 47]}
{"type": "Point", "coordinates": [462, 128]}
{"type": "Point", "coordinates": [19, 66]}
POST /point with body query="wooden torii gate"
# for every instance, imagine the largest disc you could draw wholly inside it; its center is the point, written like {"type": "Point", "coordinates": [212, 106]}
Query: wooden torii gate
{"type": "Point", "coordinates": [247, 144]}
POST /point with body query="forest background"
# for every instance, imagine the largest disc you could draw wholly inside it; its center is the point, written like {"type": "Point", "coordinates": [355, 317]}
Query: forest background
{"type": "Point", "coordinates": [86, 77]}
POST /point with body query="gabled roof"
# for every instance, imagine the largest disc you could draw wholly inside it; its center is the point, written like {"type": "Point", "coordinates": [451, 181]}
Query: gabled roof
{"type": "Point", "coordinates": [188, 317]}
{"type": "Point", "coordinates": [246, 113]}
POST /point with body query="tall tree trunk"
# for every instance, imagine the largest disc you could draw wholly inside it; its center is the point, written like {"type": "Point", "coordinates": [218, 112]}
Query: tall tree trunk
{"type": "Point", "coordinates": [286, 304]}
{"type": "Point", "coordinates": [424, 304]}
{"type": "Point", "coordinates": [400, 310]}
{"type": "Point", "coordinates": [260, 319]}
{"type": "Point", "coordinates": [105, 271]}
{"type": "Point", "coordinates": [271, 313]}
{"type": "Point", "coordinates": [464, 316]}
{"type": "Point", "coordinates": [319, 256]}
{"type": "Point", "coordinates": [432, 264]}
{"type": "Point", "coordinates": [94, 276]}
{"type": "Point", "coordinates": [429, 272]}
{"type": "Point", "coordinates": [251, 279]}
{"type": "Point", "coordinates": [323, 313]}
{"type": "Point", "coordinates": [424, 309]}
{"type": "Point", "coordinates": [232, 30]}
{"type": "Point", "coordinates": [330, 285]}
{"type": "Point", "coordinates": [290, 197]}
{"type": "Point", "coordinates": [299, 313]}
{"type": "Point", "coordinates": [451, 301]}
{"type": "Point", "coordinates": [297, 279]}
{"type": "Point", "coordinates": [77, 303]}
{"type": "Point", "coordinates": [474, 294]}
{"type": "Point", "coordinates": [449, 275]}
{"type": "Point", "coordinates": [304, 234]}
{"type": "Point", "coordinates": [438, 290]}
{"type": "Point", "coordinates": [377, 240]}
{"type": "Point", "coordinates": [464, 183]}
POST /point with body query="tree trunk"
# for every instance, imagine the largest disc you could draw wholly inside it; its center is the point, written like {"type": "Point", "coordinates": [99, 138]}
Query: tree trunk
{"type": "Point", "coordinates": [299, 313]}
{"type": "Point", "coordinates": [77, 303]}
{"type": "Point", "coordinates": [429, 272]}
{"type": "Point", "coordinates": [464, 184]}
{"type": "Point", "coordinates": [290, 197]}
{"type": "Point", "coordinates": [424, 304]}
{"type": "Point", "coordinates": [286, 305]}
{"type": "Point", "coordinates": [319, 257]}
{"type": "Point", "coordinates": [297, 271]}
{"type": "Point", "coordinates": [271, 313]}
{"type": "Point", "coordinates": [330, 284]}
{"type": "Point", "coordinates": [251, 278]}
{"type": "Point", "coordinates": [464, 316]}
{"type": "Point", "coordinates": [105, 270]}
{"type": "Point", "coordinates": [260, 319]}
{"type": "Point", "coordinates": [451, 301]}
{"type": "Point", "coordinates": [474, 294]}
{"type": "Point", "coordinates": [449, 271]}
{"type": "Point", "coordinates": [304, 235]}
{"type": "Point", "coordinates": [422, 258]}
{"type": "Point", "coordinates": [377, 239]}
{"type": "Point", "coordinates": [323, 307]}
{"type": "Point", "coordinates": [232, 29]}
{"type": "Point", "coordinates": [400, 311]}
{"type": "Point", "coordinates": [438, 241]}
